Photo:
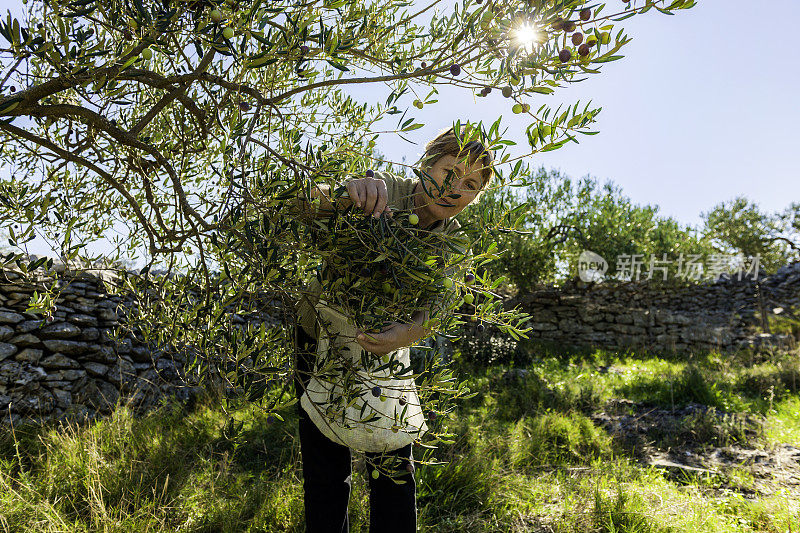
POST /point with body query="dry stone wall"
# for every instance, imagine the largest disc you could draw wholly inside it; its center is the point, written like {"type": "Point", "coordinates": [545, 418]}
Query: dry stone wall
{"type": "Point", "coordinates": [74, 367]}
{"type": "Point", "coordinates": [725, 314]}
{"type": "Point", "coordinates": [79, 364]}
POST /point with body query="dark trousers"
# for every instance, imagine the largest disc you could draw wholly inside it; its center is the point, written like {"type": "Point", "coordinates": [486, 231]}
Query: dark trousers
{"type": "Point", "coordinates": [327, 473]}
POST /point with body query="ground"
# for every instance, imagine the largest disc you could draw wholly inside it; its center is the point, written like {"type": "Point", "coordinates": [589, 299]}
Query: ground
{"type": "Point", "coordinates": [554, 441]}
{"type": "Point", "coordinates": [649, 433]}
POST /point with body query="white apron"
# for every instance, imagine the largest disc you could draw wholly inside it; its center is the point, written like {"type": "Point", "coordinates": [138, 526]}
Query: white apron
{"type": "Point", "coordinates": [364, 422]}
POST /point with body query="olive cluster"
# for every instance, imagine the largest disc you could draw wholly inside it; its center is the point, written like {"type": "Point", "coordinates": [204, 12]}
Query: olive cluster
{"type": "Point", "coordinates": [380, 270]}
{"type": "Point", "coordinates": [577, 37]}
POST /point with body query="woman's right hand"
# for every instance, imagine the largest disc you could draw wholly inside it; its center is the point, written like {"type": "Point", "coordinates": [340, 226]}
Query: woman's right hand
{"type": "Point", "coordinates": [370, 195]}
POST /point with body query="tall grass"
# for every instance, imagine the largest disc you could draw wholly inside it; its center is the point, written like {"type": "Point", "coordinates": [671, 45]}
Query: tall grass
{"type": "Point", "coordinates": [529, 457]}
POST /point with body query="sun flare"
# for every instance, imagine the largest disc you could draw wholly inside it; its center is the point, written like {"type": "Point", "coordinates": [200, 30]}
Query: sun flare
{"type": "Point", "coordinates": [528, 36]}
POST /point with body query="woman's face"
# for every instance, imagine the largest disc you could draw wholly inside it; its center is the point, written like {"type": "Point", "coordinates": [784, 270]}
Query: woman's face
{"type": "Point", "coordinates": [465, 181]}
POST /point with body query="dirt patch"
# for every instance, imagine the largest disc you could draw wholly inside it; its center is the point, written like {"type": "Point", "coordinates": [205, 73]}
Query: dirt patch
{"type": "Point", "coordinates": [699, 440]}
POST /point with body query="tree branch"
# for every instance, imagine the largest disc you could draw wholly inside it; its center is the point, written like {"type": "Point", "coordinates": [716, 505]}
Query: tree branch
{"type": "Point", "coordinates": [170, 96]}
{"type": "Point", "coordinates": [155, 80]}
{"type": "Point", "coordinates": [103, 124]}
{"type": "Point", "coordinates": [788, 241]}
{"type": "Point", "coordinates": [64, 154]}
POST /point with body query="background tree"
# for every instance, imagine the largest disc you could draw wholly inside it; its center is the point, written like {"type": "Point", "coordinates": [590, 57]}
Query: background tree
{"type": "Point", "coordinates": [790, 223]}
{"type": "Point", "coordinates": [615, 228]}
{"type": "Point", "coordinates": [552, 219]}
{"type": "Point", "coordinates": [741, 227]}
{"type": "Point", "coordinates": [195, 125]}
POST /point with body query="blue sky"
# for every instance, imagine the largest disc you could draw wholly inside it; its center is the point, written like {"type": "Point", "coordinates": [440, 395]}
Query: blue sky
{"type": "Point", "coordinates": [700, 110]}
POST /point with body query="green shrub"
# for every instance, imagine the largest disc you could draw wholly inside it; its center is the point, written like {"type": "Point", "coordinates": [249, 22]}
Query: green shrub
{"type": "Point", "coordinates": [623, 512]}
{"type": "Point", "coordinates": [487, 349]}
{"type": "Point", "coordinates": [771, 382]}
{"type": "Point", "coordinates": [690, 386]}
{"type": "Point", "coordinates": [469, 492]}
{"type": "Point", "coordinates": [532, 394]}
{"type": "Point", "coordinates": [554, 439]}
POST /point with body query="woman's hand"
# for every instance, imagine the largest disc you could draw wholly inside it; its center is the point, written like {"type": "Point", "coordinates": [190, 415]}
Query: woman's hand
{"type": "Point", "coordinates": [391, 338]}
{"type": "Point", "coordinates": [395, 336]}
{"type": "Point", "coordinates": [370, 194]}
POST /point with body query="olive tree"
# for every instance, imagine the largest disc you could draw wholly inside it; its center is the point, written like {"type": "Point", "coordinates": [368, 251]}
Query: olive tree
{"type": "Point", "coordinates": [551, 219]}
{"type": "Point", "coordinates": [740, 227]}
{"type": "Point", "coordinates": [196, 126]}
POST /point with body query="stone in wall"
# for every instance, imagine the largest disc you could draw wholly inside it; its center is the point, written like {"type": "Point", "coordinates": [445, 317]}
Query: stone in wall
{"type": "Point", "coordinates": [723, 314]}
{"type": "Point", "coordinates": [76, 366]}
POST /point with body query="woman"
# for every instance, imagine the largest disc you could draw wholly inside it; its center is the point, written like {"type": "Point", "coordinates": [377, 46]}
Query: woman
{"type": "Point", "coordinates": [327, 464]}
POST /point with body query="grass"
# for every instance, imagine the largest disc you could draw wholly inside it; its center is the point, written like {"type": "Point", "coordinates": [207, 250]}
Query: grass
{"type": "Point", "coordinates": [530, 456]}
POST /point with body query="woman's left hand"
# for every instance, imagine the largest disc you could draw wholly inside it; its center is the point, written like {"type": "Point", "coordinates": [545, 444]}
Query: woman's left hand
{"type": "Point", "coordinates": [391, 338]}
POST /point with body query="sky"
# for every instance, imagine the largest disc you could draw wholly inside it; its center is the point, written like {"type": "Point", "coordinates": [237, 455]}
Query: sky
{"type": "Point", "coordinates": [701, 109]}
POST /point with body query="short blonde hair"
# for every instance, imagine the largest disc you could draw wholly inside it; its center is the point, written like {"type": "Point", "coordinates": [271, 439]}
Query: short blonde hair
{"type": "Point", "coordinates": [446, 143]}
